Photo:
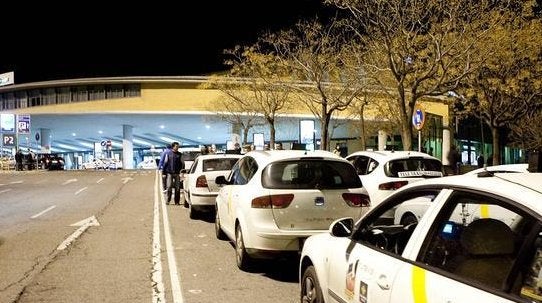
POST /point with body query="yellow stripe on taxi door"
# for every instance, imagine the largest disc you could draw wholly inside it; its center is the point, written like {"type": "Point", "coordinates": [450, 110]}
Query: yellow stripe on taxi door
{"type": "Point", "coordinates": [484, 211]}
{"type": "Point", "coordinates": [418, 285]}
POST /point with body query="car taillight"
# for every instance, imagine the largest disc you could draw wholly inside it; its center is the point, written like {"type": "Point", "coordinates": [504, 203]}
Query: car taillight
{"type": "Point", "coordinates": [392, 185]}
{"type": "Point", "coordinates": [356, 200]}
{"type": "Point", "coordinates": [201, 181]}
{"type": "Point", "coordinates": [273, 201]}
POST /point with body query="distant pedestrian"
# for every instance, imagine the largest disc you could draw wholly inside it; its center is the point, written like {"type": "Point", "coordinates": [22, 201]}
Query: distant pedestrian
{"type": "Point", "coordinates": [337, 150]}
{"type": "Point", "coordinates": [19, 159]}
{"type": "Point", "coordinates": [172, 166]}
{"type": "Point", "coordinates": [480, 161]}
{"type": "Point", "coordinates": [454, 160]}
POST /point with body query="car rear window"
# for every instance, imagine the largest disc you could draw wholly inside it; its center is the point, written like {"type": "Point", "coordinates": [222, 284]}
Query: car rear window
{"type": "Point", "coordinates": [219, 164]}
{"type": "Point", "coordinates": [310, 174]}
{"type": "Point", "coordinates": [414, 167]}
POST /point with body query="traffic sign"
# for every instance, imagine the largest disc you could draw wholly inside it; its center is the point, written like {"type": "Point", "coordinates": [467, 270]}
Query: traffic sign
{"type": "Point", "coordinates": [103, 143]}
{"type": "Point", "coordinates": [9, 139]}
{"type": "Point", "coordinates": [418, 117]}
{"type": "Point", "coordinates": [23, 124]}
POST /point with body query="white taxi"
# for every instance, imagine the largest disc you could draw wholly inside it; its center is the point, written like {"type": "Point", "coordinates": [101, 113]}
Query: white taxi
{"type": "Point", "coordinates": [199, 187]}
{"type": "Point", "coordinates": [273, 200]}
{"type": "Point", "coordinates": [383, 172]}
{"type": "Point", "coordinates": [450, 255]}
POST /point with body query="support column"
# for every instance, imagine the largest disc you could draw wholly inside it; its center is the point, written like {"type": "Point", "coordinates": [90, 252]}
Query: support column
{"type": "Point", "coordinates": [46, 139]}
{"type": "Point", "coordinates": [127, 147]}
{"type": "Point", "coordinates": [382, 139]}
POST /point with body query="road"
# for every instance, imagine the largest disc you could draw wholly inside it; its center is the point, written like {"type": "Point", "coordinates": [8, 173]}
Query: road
{"type": "Point", "coordinates": [107, 236]}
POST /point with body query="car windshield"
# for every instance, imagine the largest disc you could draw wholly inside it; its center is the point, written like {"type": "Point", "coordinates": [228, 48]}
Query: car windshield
{"type": "Point", "coordinates": [414, 167]}
{"type": "Point", "coordinates": [218, 164]}
{"type": "Point", "coordinates": [310, 174]}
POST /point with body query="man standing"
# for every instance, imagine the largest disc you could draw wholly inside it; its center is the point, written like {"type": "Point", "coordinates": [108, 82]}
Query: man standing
{"type": "Point", "coordinates": [19, 159]}
{"type": "Point", "coordinates": [172, 166]}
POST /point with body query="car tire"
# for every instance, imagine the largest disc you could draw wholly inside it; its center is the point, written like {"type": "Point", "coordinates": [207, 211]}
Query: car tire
{"type": "Point", "coordinates": [220, 235]}
{"type": "Point", "coordinates": [192, 213]}
{"type": "Point", "coordinates": [243, 260]}
{"type": "Point", "coordinates": [310, 287]}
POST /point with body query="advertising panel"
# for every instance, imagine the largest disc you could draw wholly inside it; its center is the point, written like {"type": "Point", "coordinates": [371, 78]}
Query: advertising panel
{"type": "Point", "coordinates": [306, 133]}
{"type": "Point", "coordinates": [23, 124]}
{"type": "Point", "coordinates": [7, 122]}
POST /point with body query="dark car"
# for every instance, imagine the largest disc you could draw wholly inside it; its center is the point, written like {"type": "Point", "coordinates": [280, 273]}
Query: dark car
{"type": "Point", "coordinates": [51, 162]}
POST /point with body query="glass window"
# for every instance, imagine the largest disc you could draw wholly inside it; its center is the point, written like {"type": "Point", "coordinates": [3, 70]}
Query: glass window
{"type": "Point", "coordinates": [310, 174]}
{"type": "Point", "coordinates": [414, 167]}
{"type": "Point", "coordinates": [360, 164]}
{"type": "Point", "coordinates": [218, 164]}
{"type": "Point", "coordinates": [477, 238]}
{"type": "Point", "coordinates": [386, 228]}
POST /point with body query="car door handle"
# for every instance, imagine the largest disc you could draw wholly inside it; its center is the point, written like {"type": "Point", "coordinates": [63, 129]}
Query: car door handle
{"type": "Point", "coordinates": [383, 283]}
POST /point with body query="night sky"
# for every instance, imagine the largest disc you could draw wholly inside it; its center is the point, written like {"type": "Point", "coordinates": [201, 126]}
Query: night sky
{"type": "Point", "coordinates": [91, 39]}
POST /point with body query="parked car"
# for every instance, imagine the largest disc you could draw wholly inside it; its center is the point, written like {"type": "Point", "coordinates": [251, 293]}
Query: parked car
{"type": "Point", "coordinates": [147, 164]}
{"type": "Point", "coordinates": [94, 164]}
{"type": "Point", "coordinates": [54, 162]}
{"type": "Point", "coordinates": [412, 211]}
{"type": "Point", "coordinates": [503, 168]}
{"type": "Point", "coordinates": [452, 255]}
{"type": "Point", "coordinates": [199, 187]}
{"type": "Point", "coordinates": [383, 172]}
{"type": "Point", "coordinates": [272, 200]}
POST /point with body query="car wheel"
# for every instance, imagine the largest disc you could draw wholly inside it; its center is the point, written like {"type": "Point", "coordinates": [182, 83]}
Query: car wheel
{"type": "Point", "coordinates": [310, 288]}
{"type": "Point", "coordinates": [192, 213]}
{"type": "Point", "coordinates": [218, 229]}
{"type": "Point", "coordinates": [408, 219]}
{"type": "Point", "coordinates": [241, 256]}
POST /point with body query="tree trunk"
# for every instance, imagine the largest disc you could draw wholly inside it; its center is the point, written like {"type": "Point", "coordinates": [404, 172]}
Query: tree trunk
{"type": "Point", "coordinates": [245, 135]}
{"type": "Point", "coordinates": [496, 145]}
{"type": "Point", "coordinates": [406, 136]}
{"type": "Point", "coordinates": [272, 133]}
{"type": "Point", "coordinates": [324, 126]}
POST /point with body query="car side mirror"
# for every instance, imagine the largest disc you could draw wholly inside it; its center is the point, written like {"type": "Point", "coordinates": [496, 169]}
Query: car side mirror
{"type": "Point", "coordinates": [342, 227]}
{"type": "Point", "coordinates": [184, 171]}
{"type": "Point", "coordinates": [221, 180]}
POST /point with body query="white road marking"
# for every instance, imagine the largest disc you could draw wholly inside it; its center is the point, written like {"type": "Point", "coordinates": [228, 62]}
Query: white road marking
{"type": "Point", "coordinates": [158, 293]}
{"type": "Point", "coordinates": [173, 273]}
{"type": "Point", "coordinates": [5, 190]}
{"type": "Point", "coordinates": [43, 212]}
{"type": "Point", "coordinates": [81, 190]}
{"type": "Point", "coordinates": [16, 182]}
{"type": "Point", "coordinates": [85, 224]}
{"type": "Point", "coordinates": [125, 180]}
{"type": "Point", "coordinates": [100, 180]}
{"type": "Point", "coordinates": [69, 181]}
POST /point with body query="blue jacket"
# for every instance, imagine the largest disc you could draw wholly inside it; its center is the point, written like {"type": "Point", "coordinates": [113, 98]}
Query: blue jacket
{"type": "Point", "coordinates": [161, 163]}
{"type": "Point", "coordinates": [173, 162]}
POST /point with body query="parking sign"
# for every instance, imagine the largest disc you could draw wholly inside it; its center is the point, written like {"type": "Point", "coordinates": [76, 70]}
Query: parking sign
{"type": "Point", "coordinates": [23, 124]}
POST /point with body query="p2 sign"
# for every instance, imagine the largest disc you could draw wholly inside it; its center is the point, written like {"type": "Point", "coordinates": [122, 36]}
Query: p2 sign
{"type": "Point", "coordinates": [9, 140]}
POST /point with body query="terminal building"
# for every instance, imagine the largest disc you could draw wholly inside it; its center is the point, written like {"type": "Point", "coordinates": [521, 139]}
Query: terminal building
{"type": "Point", "coordinates": [133, 118]}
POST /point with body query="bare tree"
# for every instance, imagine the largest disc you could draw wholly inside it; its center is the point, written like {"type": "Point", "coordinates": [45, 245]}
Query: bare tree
{"type": "Point", "coordinates": [419, 48]}
{"type": "Point", "coordinates": [255, 86]}
{"type": "Point", "coordinates": [316, 56]}
{"type": "Point", "coordinates": [508, 89]}
{"type": "Point", "coordinates": [234, 107]}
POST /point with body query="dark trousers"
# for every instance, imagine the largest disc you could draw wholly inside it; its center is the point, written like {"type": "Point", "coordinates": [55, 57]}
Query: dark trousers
{"type": "Point", "coordinates": [164, 181]}
{"type": "Point", "coordinates": [173, 184]}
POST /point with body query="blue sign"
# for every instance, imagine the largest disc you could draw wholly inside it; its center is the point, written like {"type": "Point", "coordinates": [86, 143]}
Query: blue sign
{"type": "Point", "coordinates": [418, 118]}
{"type": "Point", "coordinates": [23, 124]}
